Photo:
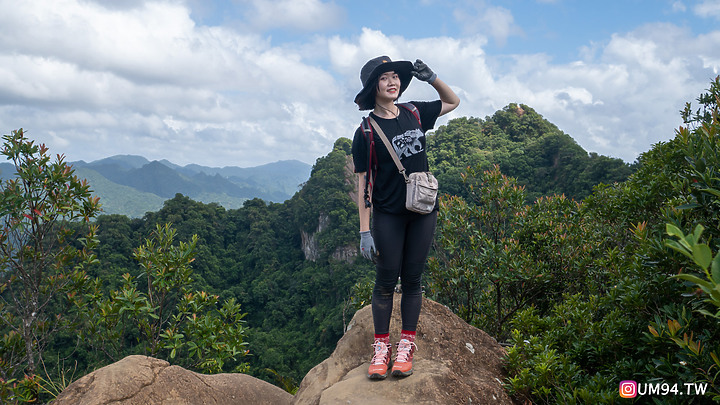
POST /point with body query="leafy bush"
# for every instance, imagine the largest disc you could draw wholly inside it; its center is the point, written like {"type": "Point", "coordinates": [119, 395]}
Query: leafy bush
{"type": "Point", "coordinates": [638, 321]}
{"type": "Point", "coordinates": [163, 315]}
{"type": "Point", "coordinates": [697, 332]}
{"type": "Point", "coordinates": [43, 261]}
{"type": "Point", "coordinates": [52, 307]}
{"type": "Point", "coordinates": [478, 269]}
{"type": "Point", "coordinates": [601, 301]}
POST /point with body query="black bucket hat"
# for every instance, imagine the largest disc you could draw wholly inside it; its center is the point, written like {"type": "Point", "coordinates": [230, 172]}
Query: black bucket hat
{"type": "Point", "coordinates": [374, 68]}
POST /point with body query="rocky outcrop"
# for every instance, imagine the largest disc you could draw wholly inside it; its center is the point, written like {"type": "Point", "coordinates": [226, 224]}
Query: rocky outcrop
{"type": "Point", "coordinates": [146, 380]}
{"type": "Point", "coordinates": [307, 240]}
{"type": "Point", "coordinates": [455, 364]}
{"type": "Point", "coordinates": [310, 247]}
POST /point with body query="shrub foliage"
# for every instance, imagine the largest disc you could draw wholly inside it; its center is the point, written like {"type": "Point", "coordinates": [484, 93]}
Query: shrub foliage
{"type": "Point", "coordinates": [624, 285]}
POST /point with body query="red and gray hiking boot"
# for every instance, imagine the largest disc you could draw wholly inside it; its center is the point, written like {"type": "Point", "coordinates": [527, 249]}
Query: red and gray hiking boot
{"type": "Point", "coordinates": [403, 366]}
{"type": "Point", "coordinates": [380, 363]}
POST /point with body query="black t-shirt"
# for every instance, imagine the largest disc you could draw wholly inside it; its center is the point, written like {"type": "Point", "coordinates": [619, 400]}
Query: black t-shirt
{"type": "Point", "coordinates": [408, 140]}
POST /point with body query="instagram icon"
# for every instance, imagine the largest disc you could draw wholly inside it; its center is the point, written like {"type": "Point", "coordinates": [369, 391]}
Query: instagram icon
{"type": "Point", "coordinates": [628, 389]}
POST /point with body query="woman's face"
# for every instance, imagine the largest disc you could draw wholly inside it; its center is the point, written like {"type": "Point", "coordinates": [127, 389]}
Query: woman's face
{"type": "Point", "coordinates": [388, 87]}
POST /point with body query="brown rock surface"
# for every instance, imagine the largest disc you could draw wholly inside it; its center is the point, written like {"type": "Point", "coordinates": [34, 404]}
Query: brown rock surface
{"type": "Point", "coordinates": [455, 364]}
{"type": "Point", "coordinates": [146, 380]}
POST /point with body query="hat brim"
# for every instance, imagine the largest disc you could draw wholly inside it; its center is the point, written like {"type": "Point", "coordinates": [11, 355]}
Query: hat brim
{"type": "Point", "coordinates": [403, 69]}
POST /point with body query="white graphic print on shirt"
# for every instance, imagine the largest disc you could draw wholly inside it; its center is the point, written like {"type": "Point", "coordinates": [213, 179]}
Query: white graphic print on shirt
{"type": "Point", "coordinates": [408, 144]}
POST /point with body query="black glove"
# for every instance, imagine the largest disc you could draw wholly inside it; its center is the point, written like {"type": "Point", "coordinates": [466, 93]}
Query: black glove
{"type": "Point", "coordinates": [422, 72]}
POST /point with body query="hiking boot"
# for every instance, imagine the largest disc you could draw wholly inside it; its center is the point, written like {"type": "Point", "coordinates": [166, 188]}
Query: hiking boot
{"type": "Point", "coordinates": [380, 363]}
{"type": "Point", "coordinates": [403, 362]}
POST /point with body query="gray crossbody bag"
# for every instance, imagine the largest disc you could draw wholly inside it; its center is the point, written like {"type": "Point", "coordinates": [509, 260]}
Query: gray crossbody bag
{"type": "Point", "coordinates": [422, 187]}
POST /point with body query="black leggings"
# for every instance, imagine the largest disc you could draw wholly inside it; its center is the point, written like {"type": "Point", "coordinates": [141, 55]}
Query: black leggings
{"type": "Point", "coordinates": [403, 243]}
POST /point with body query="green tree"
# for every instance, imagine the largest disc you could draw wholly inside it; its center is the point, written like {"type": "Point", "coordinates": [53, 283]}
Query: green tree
{"type": "Point", "coordinates": [478, 268]}
{"type": "Point", "coordinates": [159, 311]}
{"type": "Point", "coordinates": [695, 334]}
{"type": "Point", "coordinates": [40, 267]}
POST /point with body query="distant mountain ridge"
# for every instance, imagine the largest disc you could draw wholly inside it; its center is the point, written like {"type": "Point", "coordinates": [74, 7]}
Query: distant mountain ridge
{"type": "Point", "coordinates": [132, 185]}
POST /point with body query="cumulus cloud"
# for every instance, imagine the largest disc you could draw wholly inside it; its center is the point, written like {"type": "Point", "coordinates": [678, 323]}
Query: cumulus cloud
{"type": "Point", "coordinates": [644, 76]}
{"type": "Point", "coordinates": [95, 79]}
{"type": "Point", "coordinates": [301, 15]}
{"type": "Point", "coordinates": [481, 18]}
{"type": "Point", "coordinates": [145, 79]}
{"type": "Point", "coordinates": [679, 6]}
{"type": "Point", "coordinates": [708, 9]}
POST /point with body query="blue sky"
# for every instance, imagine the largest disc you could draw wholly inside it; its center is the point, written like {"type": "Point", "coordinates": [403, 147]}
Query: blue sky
{"type": "Point", "coordinates": [248, 82]}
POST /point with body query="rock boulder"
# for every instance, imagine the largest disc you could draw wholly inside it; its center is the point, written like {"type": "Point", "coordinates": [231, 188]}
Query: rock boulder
{"type": "Point", "coordinates": [455, 363]}
{"type": "Point", "coordinates": [137, 380]}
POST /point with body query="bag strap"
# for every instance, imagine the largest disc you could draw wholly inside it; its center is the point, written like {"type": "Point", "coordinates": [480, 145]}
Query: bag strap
{"type": "Point", "coordinates": [414, 110]}
{"type": "Point", "coordinates": [389, 147]}
{"type": "Point", "coordinates": [372, 162]}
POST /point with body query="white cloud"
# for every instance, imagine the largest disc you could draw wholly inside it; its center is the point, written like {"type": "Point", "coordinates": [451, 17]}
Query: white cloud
{"type": "Point", "coordinates": [301, 15]}
{"type": "Point", "coordinates": [95, 79]}
{"type": "Point", "coordinates": [679, 6]}
{"type": "Point", "coordinates": [480, 18]}
{"type": "Point", "coordinates": [708, 9]}
{"type": "Point", "coordinates": [88, 75]}
{"type": "Point", "coordinates": [645, 77]}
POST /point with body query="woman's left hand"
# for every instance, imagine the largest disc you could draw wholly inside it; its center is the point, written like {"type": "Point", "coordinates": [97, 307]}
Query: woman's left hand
{"type": "Point", "coordinates": [422, 72]}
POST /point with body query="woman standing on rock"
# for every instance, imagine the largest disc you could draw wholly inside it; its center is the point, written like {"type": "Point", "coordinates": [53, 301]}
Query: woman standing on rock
{"type": "Point", "coordinates": [400, 240]}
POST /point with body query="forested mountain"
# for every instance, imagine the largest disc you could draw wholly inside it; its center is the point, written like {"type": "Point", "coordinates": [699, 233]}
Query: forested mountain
{"type": "Point", "coordinates": [120, 199]}
{"type": "Point", "coordinates": [525, 146]}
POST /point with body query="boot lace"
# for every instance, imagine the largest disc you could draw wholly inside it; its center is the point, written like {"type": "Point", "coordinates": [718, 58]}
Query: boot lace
{"type": "Point", "coordinates": [404, 350]}
{"type": "Point", "coordinates": [381, 351]}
